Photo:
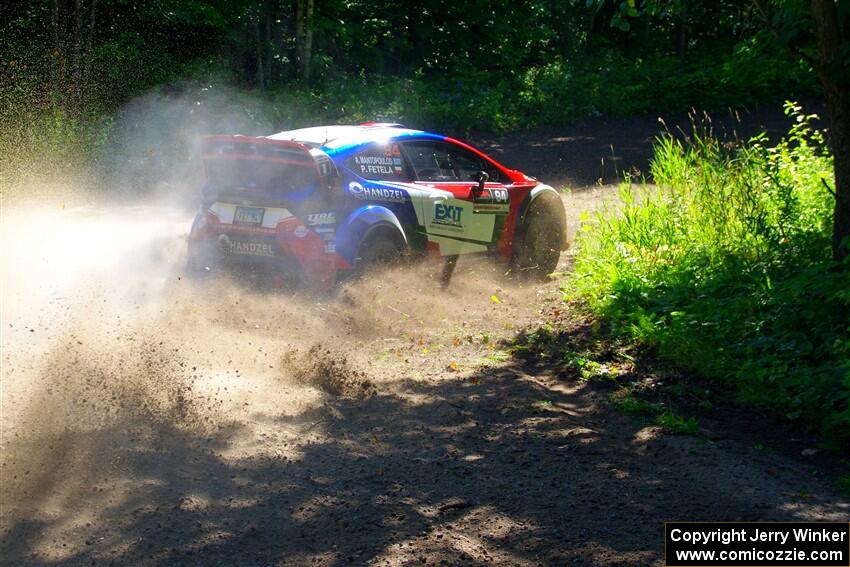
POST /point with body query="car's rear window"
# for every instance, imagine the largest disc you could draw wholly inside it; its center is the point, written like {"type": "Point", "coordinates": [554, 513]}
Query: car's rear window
{"type": "Point", "coordinates": [230, 173]}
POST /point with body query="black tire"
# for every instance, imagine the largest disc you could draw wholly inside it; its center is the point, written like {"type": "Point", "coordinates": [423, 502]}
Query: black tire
{"type": "Point", "coordinates": [383, 248]}
{"type": "Point", "coordinates": [542, 236]}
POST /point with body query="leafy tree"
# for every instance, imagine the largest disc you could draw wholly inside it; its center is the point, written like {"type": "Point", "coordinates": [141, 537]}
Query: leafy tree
{"type": "Point", "coordinates": [819, 32]}
{"type": "Point", "coordinates": [832, 64]}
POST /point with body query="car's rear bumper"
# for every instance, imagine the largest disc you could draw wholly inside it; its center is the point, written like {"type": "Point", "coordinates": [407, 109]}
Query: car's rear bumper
{"type": "Point", "coordinates": [260, 255]}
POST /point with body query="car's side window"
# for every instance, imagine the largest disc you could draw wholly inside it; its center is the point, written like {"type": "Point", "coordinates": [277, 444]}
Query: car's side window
{"type": "Point", "coordinates": [430, 161]}
{"type": "Point", "coordinates": [381, 162]}
{"type": "Point", "coordinates": [467, 165]}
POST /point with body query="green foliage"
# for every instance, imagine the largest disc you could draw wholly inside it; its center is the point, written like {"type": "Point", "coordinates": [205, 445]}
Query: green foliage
{"type": "Point", "coordinates": [457, 67]}
{"type": "Point", "coordinates": [499, 356]}
{"type": "Point", "coordinates": [725, 268]}
{"type": "Point", "coordinates": [557, 92]}
{"type": "Point", "coordinates": [613, 84]}
{"type": "Point", "coordinates": [844, 483]}
{"type": "Point", "coordinates": [39, 129]}
{"type": "Point", "coordinates": [625, 401]}
{"type": "Point", "coordinates": [677, 423]}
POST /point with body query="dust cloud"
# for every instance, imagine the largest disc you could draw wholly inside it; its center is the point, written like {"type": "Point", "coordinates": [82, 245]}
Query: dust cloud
{"type": "Point", "coordinates": [113, 361]}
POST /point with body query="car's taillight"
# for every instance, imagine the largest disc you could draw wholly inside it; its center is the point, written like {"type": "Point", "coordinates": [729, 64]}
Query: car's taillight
{"type": "Point", "coordinates": [203, 225]}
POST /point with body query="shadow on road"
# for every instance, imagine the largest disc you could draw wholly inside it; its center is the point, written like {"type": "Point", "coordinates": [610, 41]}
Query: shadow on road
{"type": "Point", "coordinates": [509, 465]}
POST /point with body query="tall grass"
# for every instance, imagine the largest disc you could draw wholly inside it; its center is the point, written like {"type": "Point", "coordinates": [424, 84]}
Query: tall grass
{"type": "Point", "coordinates": [725, 268]}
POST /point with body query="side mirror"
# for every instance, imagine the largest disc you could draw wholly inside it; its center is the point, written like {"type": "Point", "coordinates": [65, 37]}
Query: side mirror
{"type": "Point", "coordinates": [482, 178]}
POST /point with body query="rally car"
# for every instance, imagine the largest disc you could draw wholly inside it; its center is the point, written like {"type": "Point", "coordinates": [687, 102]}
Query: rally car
{"type": "Point", "coordinates": [316, 204]}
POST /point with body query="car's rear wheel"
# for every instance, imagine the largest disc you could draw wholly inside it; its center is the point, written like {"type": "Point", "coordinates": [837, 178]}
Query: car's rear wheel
{"type": "Point", "coordinates": [383, 248]}
{"type": "Point", "coordinates": [197, 264]}
{"type": "Point", "coordinates": [542, 236]}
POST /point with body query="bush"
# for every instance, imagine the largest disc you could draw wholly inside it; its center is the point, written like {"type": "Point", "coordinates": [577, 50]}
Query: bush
{"type": "Point", "coordinates": [726, 269]}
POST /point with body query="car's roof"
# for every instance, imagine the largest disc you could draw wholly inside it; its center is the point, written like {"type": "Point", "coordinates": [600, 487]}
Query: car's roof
{"type": "Point", "coordinates": [337, 136]}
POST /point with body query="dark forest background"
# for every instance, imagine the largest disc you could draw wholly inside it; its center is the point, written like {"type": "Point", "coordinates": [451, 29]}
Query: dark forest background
{"type": "Point", "coordinates": [67, 66]}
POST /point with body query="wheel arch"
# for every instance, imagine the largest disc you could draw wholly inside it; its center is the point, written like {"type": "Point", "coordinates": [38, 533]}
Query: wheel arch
{"type": "Point", "coordinates": [543, 196]}
{"type": "Point", "coordinates": [364, 222]}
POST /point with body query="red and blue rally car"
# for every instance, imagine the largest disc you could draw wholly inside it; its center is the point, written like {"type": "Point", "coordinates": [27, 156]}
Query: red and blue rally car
{"type": "Point", "coordinates": [318, 203]}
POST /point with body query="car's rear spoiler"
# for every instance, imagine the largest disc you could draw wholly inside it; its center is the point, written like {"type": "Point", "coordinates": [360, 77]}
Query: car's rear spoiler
{"type": "Point", "coordinates": [237, 147]}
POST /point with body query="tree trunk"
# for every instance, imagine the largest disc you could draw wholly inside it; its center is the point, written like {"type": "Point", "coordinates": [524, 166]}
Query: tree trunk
{"type": "Point", "coordinates": [303, 37]}
{"type": "Point", "coordinates": [683, 32]}
{"type": "Point", "coordinates": [308, 39]}
{"type": "Point", "coordinates": [87, 55]}
{"type": "Point", "coordinates": [255, 23]}
{"type": "Point", "coordinates": [644, 33]}
{"type": "Point", "coordinates": [414, 37]}
{"type": "Point", "coordinates": [78, 53]}
{"type": "Point", "coordinates": [591, 27]}
{"type": "Point", "coordinates": [299, 37]}
{"type": "Point", "coordinates": [56, 55]}
{"type": "Point", "coordinates": [833, 76]}
{"type": "Point", "coordinates": [269, 42]}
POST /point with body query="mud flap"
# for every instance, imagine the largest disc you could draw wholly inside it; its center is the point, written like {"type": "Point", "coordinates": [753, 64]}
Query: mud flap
{"type": "Point", "coordinates": [448, 270]}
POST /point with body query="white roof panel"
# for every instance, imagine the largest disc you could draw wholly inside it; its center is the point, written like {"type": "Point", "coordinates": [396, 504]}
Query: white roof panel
{"type": "Point", "coordinates": [339, 136]}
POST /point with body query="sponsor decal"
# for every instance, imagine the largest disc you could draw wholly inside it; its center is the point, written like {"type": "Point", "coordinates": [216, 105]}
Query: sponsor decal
{"type": "Point", "coordinates": [317, 219]}
{"type": "Point", "coordinates": [376, 193]}
{"type": "Point", "coordinates": [448, 215]}
{"type": "Point", "coordinates": [300, 231]}
{"type": "Point", "coordinates": [330, 247]}
{"type": "Point", "coordinates": [499, 195]}
{"type": "Point", "coordinates": [492, 202]}
{"type": "Point", "coordinates": [392, 151]}
{"type": "Point", "coordinates": [486, 208]}
{"type": "Point", "coordinates": [386, 164]}
{"type": "Point", "coordinates": [245, 247]}
{"type": "Point", "coordinates": [356, 189]}
{"type": "Point", "coordinates": [375, 165]}
{"type": "Point", "coordinates": [250, 229]}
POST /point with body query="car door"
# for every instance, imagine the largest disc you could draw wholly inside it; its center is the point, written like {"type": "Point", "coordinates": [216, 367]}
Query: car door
{"type": "Point", "coordinates": [456, 215]}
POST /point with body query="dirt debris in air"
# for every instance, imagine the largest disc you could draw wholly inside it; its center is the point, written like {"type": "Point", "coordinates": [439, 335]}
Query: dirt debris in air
{"type": "Point", "coordinates": [328, 370]}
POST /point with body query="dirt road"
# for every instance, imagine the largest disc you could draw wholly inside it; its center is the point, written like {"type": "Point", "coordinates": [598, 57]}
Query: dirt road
{"type": "Point", "coordinates": [149, 420]}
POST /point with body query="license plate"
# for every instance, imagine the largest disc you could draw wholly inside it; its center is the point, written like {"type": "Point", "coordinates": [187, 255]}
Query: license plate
{"type": "Point", "coordinates": [249, 215]}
